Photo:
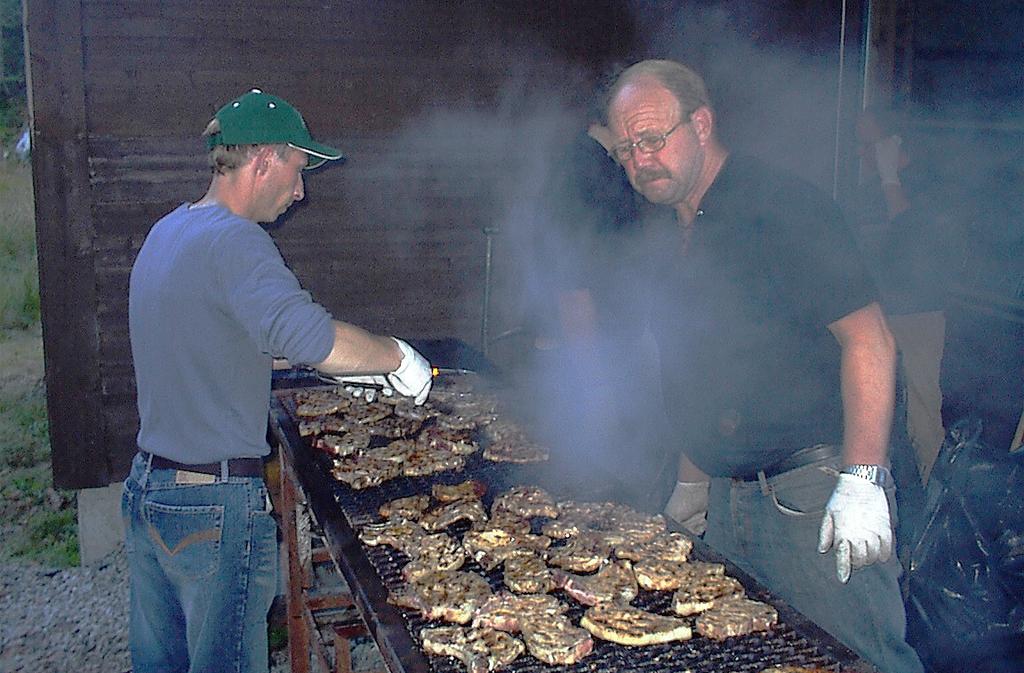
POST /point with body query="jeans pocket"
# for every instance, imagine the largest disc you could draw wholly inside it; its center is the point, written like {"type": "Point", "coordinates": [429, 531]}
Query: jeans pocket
{"type": "Point", "coordinates": [806, 496]}
{"type": "Point", "coordinates": [188, 536]}
{"type": "Point", "coordinates": [126, 517]}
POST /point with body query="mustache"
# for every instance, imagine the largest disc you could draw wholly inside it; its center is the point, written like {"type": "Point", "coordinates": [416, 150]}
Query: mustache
{"type": "Point", "coordinates": [649, 175]}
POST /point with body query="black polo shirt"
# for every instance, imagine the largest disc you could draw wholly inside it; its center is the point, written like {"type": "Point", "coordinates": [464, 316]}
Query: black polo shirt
{"type": "Point", "coordinates": [749, 368]}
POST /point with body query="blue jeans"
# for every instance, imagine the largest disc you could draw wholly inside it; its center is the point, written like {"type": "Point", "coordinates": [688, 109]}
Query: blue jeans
{"type": "Point", "coordinates": [770, 530]}
{"type": "Point", "coordinates": [203, 563]}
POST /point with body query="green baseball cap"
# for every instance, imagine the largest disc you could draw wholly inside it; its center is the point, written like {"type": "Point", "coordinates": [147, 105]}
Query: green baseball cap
{"type": "Point", "coordinates": [258, 118]}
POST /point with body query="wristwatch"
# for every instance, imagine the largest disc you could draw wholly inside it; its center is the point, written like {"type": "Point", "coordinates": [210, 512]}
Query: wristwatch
{"type": "Point", "coordinates": [878, 475]}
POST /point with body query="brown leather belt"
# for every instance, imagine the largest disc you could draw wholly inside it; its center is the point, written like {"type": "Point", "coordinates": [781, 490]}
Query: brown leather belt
{"type": "Point", "coordinates": [237, 467]}
{"type": "Point", "coordinates": [806, 456]}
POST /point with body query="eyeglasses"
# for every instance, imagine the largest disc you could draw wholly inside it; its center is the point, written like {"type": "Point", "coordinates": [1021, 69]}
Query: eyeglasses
{"type": "Point", "coordinates": [646, 144]}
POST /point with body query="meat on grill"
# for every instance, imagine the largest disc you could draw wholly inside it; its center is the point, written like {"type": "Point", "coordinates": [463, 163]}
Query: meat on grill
{"type": "Point", "coordinates": [410, 507]}
{"type": "Point", "coordinates": [660, 575]}
{"type": "Point", "coordinates": [450, 595]}
{"type": "Point", "coordinates": [526, 502]}
{"type": "Point", "coordinates": [444, 516]}
{"type": "Point", "coordinates": [704, 593]}
{"type": "Point", "coordinates": [583, 553]}
{"type": "Point", "coordinates": [556, 641]}
{"type": "Point", "coordinates": [526, 573]}
{"type": "Point", "coordinates": [626, 625]}
{"type": "Point", "coordinates": [470, 489]}
{"type": "Point", "coordinates": [434, 552]}
{"type": "Point", "coordinates": [506, 611]}
{"type": "Point", "coordinates": [491, 546]}
{"type": "Point", "coordinates": [671, 546]}
{"type": "Point", "coordinates": [736, 617]}
{"type": "Point", "coordinates": [614, 582]}
{"type": "Point", "coordinates": [480, 650]}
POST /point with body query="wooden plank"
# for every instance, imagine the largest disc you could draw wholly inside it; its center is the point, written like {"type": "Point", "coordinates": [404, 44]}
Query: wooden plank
{"type": "Point", "coordinates": [64, 237]}
{"type": "Point", "coordinates": [332, 102]}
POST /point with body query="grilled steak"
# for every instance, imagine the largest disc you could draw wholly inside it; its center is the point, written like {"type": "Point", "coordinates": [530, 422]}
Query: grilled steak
{"type": "Point", "coordinates": [627, 625]}
{"type": "Point", "coordinates": [616, 524]}
{"type": "Point", "coordinates": [467, 490]}
{"type": "Point", "coordinates": [480, 650]}
{"type": "Point", "coordinates": [343, 445]}
{"type": "Point", "coordinates": [613, 582]}
{"type": "Point", "coordinates": [583, 553]}
{"type": "Point", "coordinates": [554, 640]}
{"type": "Point", "coordinates": [665, 546]}
{"type": "Point", "coordinates": [526, 502]}
{"type": "Point", "coordinates": [398, 533]}
{"type": "Point", "coordinates": [703, 593]}
{"type": "Point", "coordinates": [428, 460]}
{"type": "Point", "coordinates": [411, 507]}
{"type": "Point", "coordinates": [505, 611]}
{"type": "Point", "coordinates": [434, 552]}
{"type": "Point", "coordinates": [394, 427]}
{"type": "Point", "coordinates": [365, 471]}
{"type": "Point", "coordinates": [450, 595]}
{"type": "Point", "coordinates": [510, 451]}
{"type": "Point", "coordinates": [660, 575]}
{"type": "Point", "coordinates": [526, 573]}
{"type": "Point", "coordinates": [491, 546]}
{"type": "Point", "coordinates": [736, 617]}
{"type": "Point", "coordinates": [396, 451]}
{"type": "Point", "coordinates": [368, 413]}
{"type": "Point", "coordinates": [441, 517]}
{"type": "Point", "coordinates": [515, 525]}
{"type": "Point", "coordinates": [456, 441]}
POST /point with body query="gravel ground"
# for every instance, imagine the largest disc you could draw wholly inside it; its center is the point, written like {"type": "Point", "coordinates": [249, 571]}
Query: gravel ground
{"type": "Point", "coordinates": [69, 621]}
{"type": "Point", "coordinates": [64, 620]}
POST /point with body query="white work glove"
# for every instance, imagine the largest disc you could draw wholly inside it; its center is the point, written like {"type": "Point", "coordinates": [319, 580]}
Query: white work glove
{"type": "Point", "coordinates": [887, 159]}
{"type": "Point", "coordinates": [367, 387]}
{"type": "Point", "coordinates": [413, 377]}
{"type": "Point", "coordinates": [688, 505]}
{"type": "Point", "coordinates": [856, 523]}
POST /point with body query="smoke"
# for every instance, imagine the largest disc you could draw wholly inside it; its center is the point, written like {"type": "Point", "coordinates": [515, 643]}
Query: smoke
{"type": "Point", "coordinates": [775, 91]}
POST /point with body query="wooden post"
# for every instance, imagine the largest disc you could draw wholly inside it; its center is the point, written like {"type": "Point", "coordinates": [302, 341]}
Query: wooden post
{"type": "Point", "coordinates": [298, 633]}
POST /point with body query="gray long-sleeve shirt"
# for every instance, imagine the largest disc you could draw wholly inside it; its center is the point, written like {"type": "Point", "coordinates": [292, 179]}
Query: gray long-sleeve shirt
{"type": "Point", "coordinates": [210, 303]}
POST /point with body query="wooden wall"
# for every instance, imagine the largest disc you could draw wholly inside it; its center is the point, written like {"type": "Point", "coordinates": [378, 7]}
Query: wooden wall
{"type": "Point", "coordinates": [121, 90]}
{"type": "Point", "coordinates": [430, 99]}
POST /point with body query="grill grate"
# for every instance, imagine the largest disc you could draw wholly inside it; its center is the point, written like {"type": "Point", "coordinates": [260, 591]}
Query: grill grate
{"type": "Point", "coordinates": [783, 645]}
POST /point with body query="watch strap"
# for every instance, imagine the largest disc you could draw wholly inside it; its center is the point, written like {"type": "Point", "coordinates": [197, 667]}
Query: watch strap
{"type": "Point", "coordinates": [878, 475]}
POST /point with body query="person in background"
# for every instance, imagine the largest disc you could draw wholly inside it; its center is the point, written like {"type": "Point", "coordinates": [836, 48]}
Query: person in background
{"type": "Point", "coordinates": [591, 241]}
{"type": "Point", "coordinates": [777, 365]}
{"type": "Point", "coordinates": [910, 242]}
{"type": "Point", "coordinates": [210, 304]}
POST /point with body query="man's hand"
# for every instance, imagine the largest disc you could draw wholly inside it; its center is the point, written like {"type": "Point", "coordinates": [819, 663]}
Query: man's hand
{"type": "Point", "coordinates": [857, 524]}
{"type": "Point", "coordinates": [887, 159]}
{"type": "Point", "coordinates": [413, 376]}
{"type": "Point", "coordinates": [688, 505]}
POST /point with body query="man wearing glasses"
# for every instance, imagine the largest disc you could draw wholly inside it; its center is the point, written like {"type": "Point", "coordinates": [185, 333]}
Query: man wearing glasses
{"type": "Point", "coordinates": [777, 366]}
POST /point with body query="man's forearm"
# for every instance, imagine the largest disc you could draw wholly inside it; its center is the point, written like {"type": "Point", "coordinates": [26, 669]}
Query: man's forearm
{"type": "Point", "coordinates": [357, 351]}
{"type": "Point", "coordinates": [868, 380]}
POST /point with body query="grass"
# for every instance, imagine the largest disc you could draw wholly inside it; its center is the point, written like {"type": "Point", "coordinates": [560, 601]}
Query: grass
{"type": "Point", "coordinates": [37, 522]}
{"type": "Point", "coordinates": [19, 280]}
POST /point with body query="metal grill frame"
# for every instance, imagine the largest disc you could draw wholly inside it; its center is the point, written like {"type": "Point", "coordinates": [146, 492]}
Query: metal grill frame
{"type": "Point", "coordinates": [392, 629]}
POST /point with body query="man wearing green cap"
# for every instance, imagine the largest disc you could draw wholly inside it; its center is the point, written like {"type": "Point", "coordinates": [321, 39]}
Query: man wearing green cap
{"type": "Point", "coordinates": [211, 302]}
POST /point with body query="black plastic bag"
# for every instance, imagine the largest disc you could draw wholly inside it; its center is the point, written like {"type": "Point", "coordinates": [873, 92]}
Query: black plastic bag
{"type": "Point", "coordinates": [965, 604]}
